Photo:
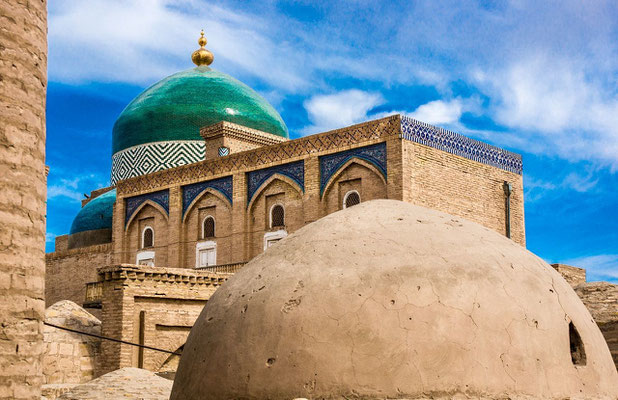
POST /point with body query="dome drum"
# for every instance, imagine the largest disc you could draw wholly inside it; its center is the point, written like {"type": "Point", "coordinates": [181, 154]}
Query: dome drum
{"type": "Point", "coordinates": [93, 223]}
{"type": "Point", "coordinates": [161, 127]}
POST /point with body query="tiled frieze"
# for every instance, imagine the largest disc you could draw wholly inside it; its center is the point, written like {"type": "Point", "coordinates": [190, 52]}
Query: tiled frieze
{"type": "Point", "coordinates": [161, 197]}
{"type": "Point", "coordinates": [330, 163]}
{"type": "Point", "coordinates": [191, 192]}
{"type": "Point", "coordinates": [153, 157]}
{"type": "Point", "coordinates": [460, 145]}
{"type": "Point", "coordinates": [294, 171]}
{"type": "Point", "coordinates": [333, 140]}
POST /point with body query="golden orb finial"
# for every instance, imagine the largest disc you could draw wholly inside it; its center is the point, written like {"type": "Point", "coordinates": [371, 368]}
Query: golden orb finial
{"type": "Point", "coordinates": [202, 56]}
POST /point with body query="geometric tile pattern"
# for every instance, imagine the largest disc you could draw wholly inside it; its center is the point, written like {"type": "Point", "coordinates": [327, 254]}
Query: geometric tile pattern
{"type": "Point", "coordinates": [334, 140]}
{"type": "Point", "coordinates": [191, 192]}
{"type": "Point", "coordinates": [161, 197]}
{"type": "Point", "coordinates": [294, 171]}
{"type": "Point", "coordinates": [152, 157]}
{"type": "Point", "coordinates": [375, 130]}
{"type": "Point", "coordinates": [460, 145]}
{"type": "Point", "coordinates": [330, 163]}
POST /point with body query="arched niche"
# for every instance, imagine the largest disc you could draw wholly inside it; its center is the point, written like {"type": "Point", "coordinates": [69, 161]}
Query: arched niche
{"type": "Point", "coordinates": [148, 215]}
{"type": "Point", "coordinates": [277, 190]}
{"type": "Point", "coordinates": [355, 175]}
{"type": "Point", "coordinates": [210, 203]}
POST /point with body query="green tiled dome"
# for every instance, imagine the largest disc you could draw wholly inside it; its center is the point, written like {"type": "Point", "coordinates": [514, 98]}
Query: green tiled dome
{"type": "Point", "coordinates": [177, 107]}
{"type": "Point", "coordinates": [96, 214]}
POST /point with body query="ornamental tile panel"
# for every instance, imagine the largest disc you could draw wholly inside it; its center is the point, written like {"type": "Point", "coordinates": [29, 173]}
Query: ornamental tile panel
{"type": "Point", "coordinates": [153, 157]}
{"type": "Point", "coordinates": [330, 163]}
{"type": "Point", "coordinates": [161, 197]}
{"type": "Point", "coordinates": [460, 145]}
{"type": "Point", "coordinates": [294, 171]}
{"type": "Point", "coordinates": [191, 192]}
{"type": "Point", "coordinates": [333, 140]}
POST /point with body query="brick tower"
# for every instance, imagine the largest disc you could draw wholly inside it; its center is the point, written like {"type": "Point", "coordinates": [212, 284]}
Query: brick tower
{"type": "Point", "coordinates": [23, 83]}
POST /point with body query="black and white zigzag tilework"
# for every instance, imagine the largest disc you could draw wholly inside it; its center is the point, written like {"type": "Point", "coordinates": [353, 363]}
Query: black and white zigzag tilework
{"type": "Point", "coordinates": [152, 157]}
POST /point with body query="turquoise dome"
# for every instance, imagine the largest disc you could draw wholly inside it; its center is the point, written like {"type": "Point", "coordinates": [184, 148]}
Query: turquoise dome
{"type": "Point", "coordinates": [96, 214]}
{"type": "Point", "coordinates": [176, 107]}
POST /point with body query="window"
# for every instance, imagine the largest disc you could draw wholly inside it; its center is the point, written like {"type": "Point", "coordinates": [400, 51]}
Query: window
{"type": "Point", "coordinates": [271, 238]}
{"type": "Point", "coordinates": [277, 216]}
{"type": "Point", "coordinates": [205, 254]}
{"type": "Point", "coordinates": [208, 227]}
{"type": "Point", "coordinates": [351, 198]}
{"type": "Point", "coordinates": [578, 353]}
{"type": "Point", "coordinates": [147, 237]}
{"type": "Point", "coordinates": [146, 258]}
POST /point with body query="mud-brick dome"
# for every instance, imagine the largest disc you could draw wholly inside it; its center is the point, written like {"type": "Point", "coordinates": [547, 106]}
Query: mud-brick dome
{"type": "Point", "coordinates": [93, 223]}
{"type": "Point", "coordinates": [390, 300]}
{"type": "Point", "coordinates": [176, 107]}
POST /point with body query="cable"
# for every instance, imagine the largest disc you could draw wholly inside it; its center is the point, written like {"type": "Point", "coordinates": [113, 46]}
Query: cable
{"type": "Point", "coordinates": [111, 339]}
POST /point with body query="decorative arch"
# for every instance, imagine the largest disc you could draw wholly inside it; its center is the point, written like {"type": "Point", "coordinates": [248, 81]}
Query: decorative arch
{"type": "Point", "coordinates": [146, 203]}
{"type": "Point", "coordinates": [268, 181]}
{"type": "Point", "coordinates": [134, 204]}
{"type": "Point", "coordinates": [354, 160]}
{"type": "Point", "coordinates": [331, 163]}
{"type": "Point", "coordinates": [206, 191]}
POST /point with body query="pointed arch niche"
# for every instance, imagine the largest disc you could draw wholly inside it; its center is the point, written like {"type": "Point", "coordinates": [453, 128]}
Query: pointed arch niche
{"type": "Point", "coordinates": [212, 206]}
{"type": "Point", "coordinates": [146, 235]}
{"type": "Point", "coordinates": [356, 175]}
{"type": "Point", "coordinates": [276, 193]}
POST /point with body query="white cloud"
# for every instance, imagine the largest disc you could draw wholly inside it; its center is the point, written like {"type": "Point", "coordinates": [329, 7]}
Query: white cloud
{"type": "Point", "coordinates": [54, 191]}
{"type": "Point", "coordinates": [141, 41]}
{"type": "Point", "coordinates": [50, 237]}
{"type": "Point", "coordinates": [341, 109]}
{"type": "Point", "coordinates": [439, 112]}
{"type": "Point", "coordinates": [72, 189]}
{"type": "Point", "coordinates": [556, 106]}
{"type": "Point", "coordinates": [598, 267]}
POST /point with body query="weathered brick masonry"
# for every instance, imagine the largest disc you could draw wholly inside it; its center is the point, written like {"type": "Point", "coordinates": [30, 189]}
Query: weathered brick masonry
{"type": "Point", "coordinates": [385, 158]}
{"type": "Point", "coordinates": [151, 306]}
{"type": "Point", "coordinates": [80, 265]}
{"type": "Point", "coordinates": [23, 81]}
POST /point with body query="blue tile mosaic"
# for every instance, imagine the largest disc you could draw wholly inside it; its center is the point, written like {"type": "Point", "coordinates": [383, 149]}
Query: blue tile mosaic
{"type": "Point", "coordinates": [460, 145]}
{"type": "Point", "coordinates": [222, 185]}
{"type": "Point", "coordinates": [162, 198]}
{"type": "Point", "coordinates": [330, 163]}
{"type": "Point", "coordinates": [96, 214]}
{"type": "Point", "coordinates": [294, 171]}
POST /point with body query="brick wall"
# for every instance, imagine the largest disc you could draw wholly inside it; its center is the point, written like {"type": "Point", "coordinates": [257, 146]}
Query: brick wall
{"type": "Point", "coordinates": [68, 272]}
{"type": "Point", "coordinates": [456, 185]}
{"type": "Point", "coordinates": [601, 299]}
{"type": "Point", "coordinates": [414, 172]}
{"type": "Point", "coordinates": [23, 81]}
{"type": "Point", "coordinates": [152, 306]}
{"type": "Point", "coordinates": [70, 357]}
{"type": "Point", "coordinates": [573, 275]}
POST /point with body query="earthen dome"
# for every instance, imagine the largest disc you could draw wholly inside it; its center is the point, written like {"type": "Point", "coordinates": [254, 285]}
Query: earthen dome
{"type": "Point", "coordinates": [387, 299]}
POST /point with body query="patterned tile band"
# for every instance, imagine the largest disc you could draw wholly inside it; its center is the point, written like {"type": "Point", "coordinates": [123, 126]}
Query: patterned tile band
{"type": "Point", "coordinates": [460, 145]}
{"type": "Point", "coordinates": [191, 192]}
{"type": "Point", "coordinates": [162, 198]}
{"type": "Point", "coordinates": [294, 171]}
{"type": "Point", "coordinates": [330, 163]}
{"type": "Point", "coordinates": [152, 157]}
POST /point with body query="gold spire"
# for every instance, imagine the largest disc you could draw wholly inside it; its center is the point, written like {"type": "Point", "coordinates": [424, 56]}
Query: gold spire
{"type": "Point", "coordinates": [202, 56]}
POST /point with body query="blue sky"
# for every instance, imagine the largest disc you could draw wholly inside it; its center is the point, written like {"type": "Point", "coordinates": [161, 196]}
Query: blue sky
{"type": "Point", "coordinates": [538, 78]}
